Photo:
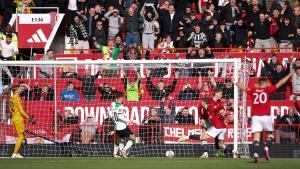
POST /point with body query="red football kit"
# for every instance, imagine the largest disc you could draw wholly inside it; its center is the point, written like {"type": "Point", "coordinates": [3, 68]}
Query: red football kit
{"type": "Point", "coordinates": [260, 100]}
{"type": "Point", "coordinates": [214, 112]}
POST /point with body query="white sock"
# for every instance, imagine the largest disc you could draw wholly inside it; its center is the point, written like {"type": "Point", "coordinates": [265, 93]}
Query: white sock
{"type": "Point", "coordinates": [128, 145]}
{"type": "Point", "coordinates": [116, 149]}
{"type": "Point", "coordinates": [121, 145]}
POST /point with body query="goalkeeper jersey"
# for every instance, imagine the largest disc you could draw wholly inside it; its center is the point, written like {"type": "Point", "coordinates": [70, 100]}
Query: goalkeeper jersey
{"type": "Point", "coordinates": [117, 114]}
{"type": "Point", "coordinates": [16, 108]}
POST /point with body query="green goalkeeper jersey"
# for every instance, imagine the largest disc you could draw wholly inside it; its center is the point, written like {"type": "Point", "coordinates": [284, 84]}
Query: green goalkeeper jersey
{"type": "Point", "coordinates": [118, 115]}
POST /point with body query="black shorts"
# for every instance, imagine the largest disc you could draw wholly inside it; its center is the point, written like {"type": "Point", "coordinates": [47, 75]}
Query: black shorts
{"type": "Point", "coordinates": [124, 133]}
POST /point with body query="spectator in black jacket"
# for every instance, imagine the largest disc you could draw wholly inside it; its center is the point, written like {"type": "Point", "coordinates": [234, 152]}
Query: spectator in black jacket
{"type": "Point", "coordinates": [287, 134]}
{"type": "Point", "coordinates": [167, 114]}
{"type": "Point", "coordinates": [218, 41]}
{"type": "Point", "coordinates": [188, 93]}
{"type": "Point", "coordinates": [160, 91]}
{"type": "Point", "coordinates": [283, 6]}
{"type": "Point", "coordinates": [132, 27]}
{"type": "Point", "coordinates": [277, 74]}
{"type": "Point", "coordinates": [296, 42]}
{"type": "Point", "coordinates": [107, 93]}
{"type": "Point", "coordinates": [231, 12]}
{"type": "Point", "coordinates": [184, 117]}
{"type": "Point", "coordinates": [287, 32]}
{"type": "Point", "coordinates": [99, 34]}
{"type": "Point", "coordinates": [240, 34]}
{"type": "Point", "coordinates": [88, 85]}
{"type": "Point", "coordinates": [262, 32]}
{"type": "Point", "coordinates": [227, 87]}
{"type": "Point", "coordinates": [170, 22]}
{"type": "Point", "coordinates": [273, 64]}
{"type": "Point", "coordinates": [46, 93]}
{"type": "Point", "coordinates": [296, 16]}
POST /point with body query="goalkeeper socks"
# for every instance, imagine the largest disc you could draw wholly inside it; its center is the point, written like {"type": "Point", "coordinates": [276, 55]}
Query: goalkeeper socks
{"type": "Point", "coordinates": [18, 143]}
{"type": "Point", "coordinates": [255, 146]}
{"type": "Point", "coordinates": [205, 146]}
{"type": "Point", "coordinates": [128, 145]}
{"type": "Point", "coordinates": [269, 142]}
{"type": "Point", "coordinates": [194, 137]}
{"type": "Point", "coordinates": [116, 149]}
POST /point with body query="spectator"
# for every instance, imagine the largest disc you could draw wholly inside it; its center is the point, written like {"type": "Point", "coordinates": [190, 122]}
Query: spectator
{"type": "Point", "coordinates": [26, 91]}
{"type": "Point", "coordinates": [107, 92]}
{"type": "Point", "coordinates": [69, 94]}
{"type": "Point", "coordinates": [276, 75]}
{"type": "Point", "coordinates": [148, 27]}
{"type": "Point", "coordinates": [287, 32]}
{"type": "Point", "coordinates": [205, 89]}
{"type": "Point", "coordinates": [296, 82]}
{"type": "Point", "coordinates": [78, 34]}
{"type": "Point", "coordinates": [46, 93]}
{"type": "Point", "coordinates": [72, 7]}
{"type": "Point", "coordinates": [46, 71]}
{"type": "Point", "coordinates": [287, 134]}
{"type": "Point", "coordinates": [218, 41]}
{"type": "Point", "coordinates": [167, 45]}
{"type": "Point", "coordinates": [226, 87]}
{"type": "Point", "coordinates": [131, 53]}
{"type": "Point", "coordinates": [150, 131]}
{"type": "Point", "coordinates": [240, 34]}
{"type": "Point", "coordinates": [115, 21]}
{"type": "Point", "coordinates": [232, 11]}
{"type": "Point", "coordinates": [296, 42]}
{"type": "Point", "coordinates": [160, 91]}
{"type": "Point", "coordinates": [181, 40]}
{"type": "Point", "coordinates": [202, 69]}
{"type": "Point", "coordinates": [88, 85]}
{"type": "Point", "coordinates": [211, 9]}
{"type": "Point", "coordinates": [8, 50]}
{"type": "Point", "coordinates": [92, 18]}
{"type": "Point", "coordinates": [296, 16]}
{"type": "Point", "coordinates": [132, 85]}
{"type": "Point", "coordinates": [167, 114]}
{"type": "Point", "coordinates": [132, 27]}
{"type": "Point", "coordinates": [99, 34]}
{"type": "Point", "coordinates": [170, 22]}
{"type": "Point", "coordinates": [198, 38]}
{"type": "Point", "coordinates": [273, 64]}
{"type": "Point", "coordinates": [184, 117]}
{"type": "Point", "coordinates": [188, 93]}
{"type": "Point", "coordinates": [8, 30]}
{"type": "Point", "coordinates": [283, 6]}
{"type": "Point", "coordinates": [88, 130]}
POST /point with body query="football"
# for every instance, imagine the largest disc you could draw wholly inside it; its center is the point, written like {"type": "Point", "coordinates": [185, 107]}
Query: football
{"type": "Point", "coordinates": [170, 154]}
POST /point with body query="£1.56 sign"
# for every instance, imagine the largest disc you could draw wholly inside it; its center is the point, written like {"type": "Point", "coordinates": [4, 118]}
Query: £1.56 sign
{"type": "Point", "coordinates": [34, 30]}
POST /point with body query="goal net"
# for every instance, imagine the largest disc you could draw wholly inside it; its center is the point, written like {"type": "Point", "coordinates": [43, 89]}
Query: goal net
{"type": "Point", "coordinates": [71, 100]}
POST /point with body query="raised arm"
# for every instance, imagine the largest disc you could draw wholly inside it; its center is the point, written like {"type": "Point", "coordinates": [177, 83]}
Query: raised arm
{"type": "Point", "coordinates": [241, 86]}
{"type": "Point", "coordinates": [142, 12]}
{"type": "Point", "coordinates": [108, 14]}
{"type": "Point", "coordinates": [284, 80]}
{"type": "Point", "coordinates": [171, 87]}
{"type": "Point", "coordinates": [155, 13]}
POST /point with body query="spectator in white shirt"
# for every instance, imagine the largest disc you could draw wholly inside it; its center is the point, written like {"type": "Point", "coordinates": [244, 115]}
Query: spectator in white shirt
{"type": "Point", "coordinates": [8, 50]}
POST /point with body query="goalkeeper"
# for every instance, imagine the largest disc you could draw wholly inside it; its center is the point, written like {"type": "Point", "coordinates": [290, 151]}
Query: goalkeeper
{"type": "Point", "coordinates": [18, 115]}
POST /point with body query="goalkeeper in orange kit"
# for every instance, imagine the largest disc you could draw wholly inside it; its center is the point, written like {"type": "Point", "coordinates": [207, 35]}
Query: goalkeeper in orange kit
{"type": "Point", "coordinates": [18, 115]}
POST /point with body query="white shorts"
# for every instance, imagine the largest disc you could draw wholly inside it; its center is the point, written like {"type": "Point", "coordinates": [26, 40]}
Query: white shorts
{"type": "Point", "coordinates": [214, 132]}
{"type": "Point", "coordinates": [261, 123]}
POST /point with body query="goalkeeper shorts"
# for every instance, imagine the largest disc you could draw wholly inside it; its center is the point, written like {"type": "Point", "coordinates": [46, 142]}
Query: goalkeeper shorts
{"type": "Point", "coordinates": [124, 133]}
{"type": "Point", "coordinates": [19, 126]}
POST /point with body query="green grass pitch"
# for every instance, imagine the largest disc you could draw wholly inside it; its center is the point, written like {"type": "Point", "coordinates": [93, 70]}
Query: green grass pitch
{"type": "Point", "coordinates": [146, 163]}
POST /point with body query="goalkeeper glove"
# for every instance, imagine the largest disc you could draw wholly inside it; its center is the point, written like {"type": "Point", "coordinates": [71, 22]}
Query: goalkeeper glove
{"type": "Point", "coordinates": [31, 119]}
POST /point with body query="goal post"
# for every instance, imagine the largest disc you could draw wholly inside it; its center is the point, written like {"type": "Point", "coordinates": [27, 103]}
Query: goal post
{"type": "Point", "coordinates": [62, 116]}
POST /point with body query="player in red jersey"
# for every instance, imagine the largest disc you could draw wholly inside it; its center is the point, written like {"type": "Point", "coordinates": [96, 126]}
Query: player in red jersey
{"type": "Point", "coordinates": [261, 115]}
{"type": "Point", "coordinates": [217, 129]}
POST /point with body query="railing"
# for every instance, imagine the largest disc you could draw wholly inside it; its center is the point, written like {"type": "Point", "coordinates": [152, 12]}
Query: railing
{"type": "Point", "coordinates": [184, 50]}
